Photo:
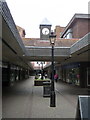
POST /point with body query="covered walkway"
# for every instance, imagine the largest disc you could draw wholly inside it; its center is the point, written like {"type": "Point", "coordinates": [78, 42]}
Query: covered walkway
{"type": "Point", "coordinates": [24, 100]}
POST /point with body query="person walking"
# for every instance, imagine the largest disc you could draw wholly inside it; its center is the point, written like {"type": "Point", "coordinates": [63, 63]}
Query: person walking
{"type": "Point", "coordinates": [56, 77]}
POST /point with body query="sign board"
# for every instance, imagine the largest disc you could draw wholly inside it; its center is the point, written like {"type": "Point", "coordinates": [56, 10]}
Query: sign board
{"type": "Point", "coordinates": [83, 107]}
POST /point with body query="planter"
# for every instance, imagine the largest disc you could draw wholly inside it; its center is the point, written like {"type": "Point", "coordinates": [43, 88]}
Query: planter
{"type": "Point", "coordinates": [40, 82]}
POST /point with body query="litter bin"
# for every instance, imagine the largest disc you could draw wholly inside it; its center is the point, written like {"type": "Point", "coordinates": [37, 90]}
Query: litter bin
{"type": "Point", "coordinates": [46, 89]}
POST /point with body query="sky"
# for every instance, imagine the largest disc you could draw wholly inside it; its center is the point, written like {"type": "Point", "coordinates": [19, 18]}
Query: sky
{"type": "Point", "coordinates": [28, 14]}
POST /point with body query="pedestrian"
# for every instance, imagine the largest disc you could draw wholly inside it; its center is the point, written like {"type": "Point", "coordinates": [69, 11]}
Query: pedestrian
{"type": "Point", "coordinates": [56, 77]}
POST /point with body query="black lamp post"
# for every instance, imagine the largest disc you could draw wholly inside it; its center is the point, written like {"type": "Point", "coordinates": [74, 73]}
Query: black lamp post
{"type": "Point", "coordinates": [39, 65]}
{"type": "Point", "coordinates": [52, 37]}
{"type": "Point", "coordinates": [41, 69]}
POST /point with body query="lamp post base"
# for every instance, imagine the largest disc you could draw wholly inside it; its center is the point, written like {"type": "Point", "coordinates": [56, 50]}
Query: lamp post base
{"type": "Point", "coordinates": [52, 99]}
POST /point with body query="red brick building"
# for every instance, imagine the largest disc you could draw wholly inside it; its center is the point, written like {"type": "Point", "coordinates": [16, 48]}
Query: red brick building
{"type": "Point", "coordinates": [58, 30]}
{"type": "Point", "coordinates": [77, 27]}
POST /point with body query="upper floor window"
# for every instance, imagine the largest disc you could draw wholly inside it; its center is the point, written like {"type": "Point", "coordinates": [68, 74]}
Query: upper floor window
{"type": "Point", "coordinates": [68, 34]}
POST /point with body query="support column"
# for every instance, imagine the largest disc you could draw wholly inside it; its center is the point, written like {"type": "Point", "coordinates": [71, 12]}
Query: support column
{"type": "Point", "coordinates": [83, 75]}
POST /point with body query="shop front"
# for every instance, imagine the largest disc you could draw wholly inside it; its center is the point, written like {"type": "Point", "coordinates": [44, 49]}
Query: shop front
{"type": "Point", "coordinates": [71, 73]}
{"type": "Point", "coordinates": [76, 74]}
{"type": "Point", "coordinates": [73, 76]}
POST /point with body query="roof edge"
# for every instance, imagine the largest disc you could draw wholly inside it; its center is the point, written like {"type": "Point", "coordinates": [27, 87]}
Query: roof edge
{"type": "Point", "coordinates": [76, 16]}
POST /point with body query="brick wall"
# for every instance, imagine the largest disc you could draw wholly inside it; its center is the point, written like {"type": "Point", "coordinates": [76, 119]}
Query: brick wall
{"type": "Point", "coordinates": [58, 30]}
{"type": "Point", "coordinates": [80, 28]}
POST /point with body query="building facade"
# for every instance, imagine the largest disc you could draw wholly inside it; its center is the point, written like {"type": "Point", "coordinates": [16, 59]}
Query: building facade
{"type": "Point", "coordinates": [71, 54]}
{"type": "Point", "coordinates": [58, 31]}
{"type": "Point", "coordinates": [77, 27]}
{"type": "Point", "coordinates": [77, 71]}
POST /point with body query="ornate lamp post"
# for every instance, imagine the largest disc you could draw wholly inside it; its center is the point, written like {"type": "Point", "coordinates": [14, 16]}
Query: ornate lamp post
{"type": "Point", "coordinates": [42, 70]}
{"type": "Point", "coordinates": [41, 63]}
{"type": "Point", "coordinates": [52, 37]}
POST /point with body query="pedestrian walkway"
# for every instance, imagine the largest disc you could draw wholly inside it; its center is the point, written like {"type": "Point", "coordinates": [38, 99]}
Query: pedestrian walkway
{"type": "Point", "coordinates": [24, 100]}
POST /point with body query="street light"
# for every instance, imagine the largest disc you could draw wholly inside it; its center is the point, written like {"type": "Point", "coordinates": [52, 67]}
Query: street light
{"type": "Point", "coordinates": [39, 65]}
{"type": "Point", "coordinates": [52, 38]}
{"type": "Point", "coordinates": [42, 72]}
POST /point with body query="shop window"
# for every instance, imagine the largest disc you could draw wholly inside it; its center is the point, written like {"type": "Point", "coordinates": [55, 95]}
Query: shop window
{"type": "Point", "coordinates": [72, 76]}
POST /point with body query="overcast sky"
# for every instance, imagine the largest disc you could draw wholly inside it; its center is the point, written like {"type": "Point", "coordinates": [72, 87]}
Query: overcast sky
{"type": "Point", "coordinates": [28, 14]}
